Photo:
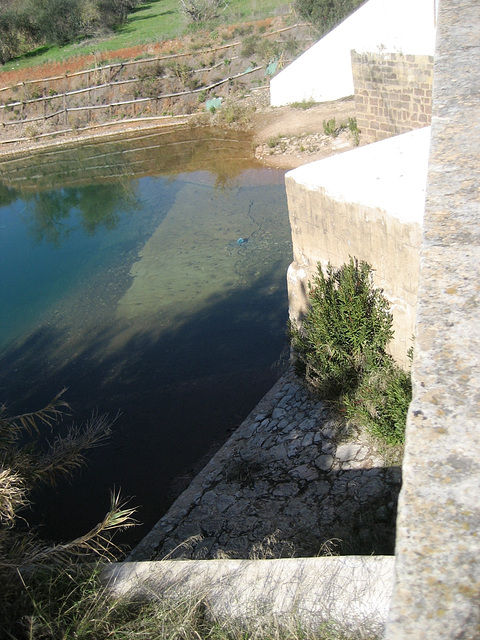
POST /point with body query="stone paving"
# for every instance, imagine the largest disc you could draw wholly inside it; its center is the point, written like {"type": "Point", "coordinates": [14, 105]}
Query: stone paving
{"type": "Point", "coordinates": [285, 484]}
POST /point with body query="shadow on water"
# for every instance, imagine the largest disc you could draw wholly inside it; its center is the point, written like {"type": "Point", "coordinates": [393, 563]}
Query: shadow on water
{"type": "Point", "coordinates": [179, 337]}
{"type": "Point", "coordinates": [181, 392]}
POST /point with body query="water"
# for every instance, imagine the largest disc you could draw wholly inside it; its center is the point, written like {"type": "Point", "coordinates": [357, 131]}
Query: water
{"type": "Point", "coordinates": [147, 276]}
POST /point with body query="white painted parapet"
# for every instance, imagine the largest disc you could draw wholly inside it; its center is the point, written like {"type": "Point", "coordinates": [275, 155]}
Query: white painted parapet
{"type": "Point", "coordinates": [367, 203]}
{"type": "Point", "coordinates": [324, 72]}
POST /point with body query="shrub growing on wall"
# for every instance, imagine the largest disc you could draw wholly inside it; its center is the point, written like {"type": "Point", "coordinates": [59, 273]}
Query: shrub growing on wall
{"type": "Point", "coordinates": [341, 349]}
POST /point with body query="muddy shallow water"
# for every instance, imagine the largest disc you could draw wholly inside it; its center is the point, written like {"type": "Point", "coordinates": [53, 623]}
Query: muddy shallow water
{"type": "Point", "coordinates": [147, 275]}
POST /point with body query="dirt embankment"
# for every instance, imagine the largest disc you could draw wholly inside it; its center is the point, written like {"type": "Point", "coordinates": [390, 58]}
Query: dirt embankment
{"type": "Point", "coordinates": [284, 137]}
{"type": "Point", "coordinates": [287, 137]}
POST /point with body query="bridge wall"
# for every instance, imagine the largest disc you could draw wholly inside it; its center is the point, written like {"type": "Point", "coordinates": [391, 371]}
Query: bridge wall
{"type": "Point", "coordinates": [324, 72]}
{"type": "Point", "coordinates": [393, 93]}
{"type": "Point", "coordinates": [367, 203]}
{"type": "Point", "coordinates": [437, 592]}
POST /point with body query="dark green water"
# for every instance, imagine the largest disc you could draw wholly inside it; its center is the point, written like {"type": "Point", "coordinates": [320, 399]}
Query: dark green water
{"type": "Point", "coordinates": [122, 278]}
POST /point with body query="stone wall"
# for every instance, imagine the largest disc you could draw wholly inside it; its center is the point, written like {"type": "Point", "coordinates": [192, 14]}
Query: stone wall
{"type": "Point", "coordinates": [367, 203]}
{"type": "Point", "coordinates": [437, 593]}
{"type": "Point", "coordinates": [393, 93]}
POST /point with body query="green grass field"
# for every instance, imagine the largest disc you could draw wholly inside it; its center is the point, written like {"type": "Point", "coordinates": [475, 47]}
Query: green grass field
{"type": "Point", "coordinates": [153, 21]}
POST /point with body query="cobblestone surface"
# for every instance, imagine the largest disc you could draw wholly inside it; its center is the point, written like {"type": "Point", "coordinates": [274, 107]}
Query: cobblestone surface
{"type": "Point", "coordinates": [283, 485]}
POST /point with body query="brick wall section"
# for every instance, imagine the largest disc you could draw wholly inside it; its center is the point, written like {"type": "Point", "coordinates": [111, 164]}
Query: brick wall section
{"type": "Point", "coordinates": [393, 93]}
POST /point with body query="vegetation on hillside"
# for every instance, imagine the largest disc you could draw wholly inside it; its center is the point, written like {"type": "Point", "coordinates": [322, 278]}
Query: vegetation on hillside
{"type": "Point", "coordinates": [27, 24]}
{"type": "Point", "coordinates": [147, 22]}
{"type": "Point", "coordinates": [341, 348]}
{"type": "Point", "coordinates": [324, 15]}
{"type": "Point", "coordinates": [45, 30]}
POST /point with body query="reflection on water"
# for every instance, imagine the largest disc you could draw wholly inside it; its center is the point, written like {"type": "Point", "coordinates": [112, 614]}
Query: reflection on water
{"type": "Point", "coordinates": [49, 213]}
{"type": "Point", "coordinates": [146, 275]}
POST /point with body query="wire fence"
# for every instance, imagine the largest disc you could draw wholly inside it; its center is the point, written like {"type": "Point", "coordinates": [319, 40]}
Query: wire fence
{"type": "Point", "coordinates": [56, 106]}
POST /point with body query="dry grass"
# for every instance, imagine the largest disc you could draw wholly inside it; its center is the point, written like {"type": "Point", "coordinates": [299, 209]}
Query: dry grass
{"type": "Point", "coordinates": [73, 604]}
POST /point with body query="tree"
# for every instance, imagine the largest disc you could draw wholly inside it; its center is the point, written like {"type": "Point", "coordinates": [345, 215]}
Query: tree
{"type": "Point", "coordinates": [202, 10]}
{"type": "Point", "coordinates": [14, 30]}
{"type": "Point", "coordinates": [115, 12]}
{"type": "Point", "coordinates": [30, 23]}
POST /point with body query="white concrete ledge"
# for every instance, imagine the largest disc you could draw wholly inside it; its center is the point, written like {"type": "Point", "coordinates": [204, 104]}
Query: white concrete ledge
{"type": "Point", "coordinates": [350, 592]}
{"type": "Point", "coordinates": [390, 175]}
{"type": "Point", "coordinates": [368, 203]}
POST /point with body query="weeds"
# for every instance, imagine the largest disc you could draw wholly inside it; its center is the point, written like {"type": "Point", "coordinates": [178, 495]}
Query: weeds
{"type": "Point", "coordinates": [304, 104]}
{"type": "Point", "coordinates": [75, 605]}
{"type": "Point", "coordinates": [255, 46]}
{"type": "Point", "coordinates": [181, 70]}
{"type": "Point", "coordinates": [233, 115]}
{"type": "Point", "coordinates": [330, 128]}
{"type": "Point", "coordinates": [242, 30]}
{"type": "Point", "coordinates": [277, 142]}
{"type": "Point", "coordinates": [24, 463]}
{"type": "Point", "coordinates": [354, 130]}
{"type": "Point", "coordinates": [380, 403]}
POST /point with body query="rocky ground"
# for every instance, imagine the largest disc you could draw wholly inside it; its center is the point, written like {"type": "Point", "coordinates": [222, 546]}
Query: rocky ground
{"type": "Point", "coordinates": [287, 483]}
{"type": "Point", "coordinates": [287, 137]}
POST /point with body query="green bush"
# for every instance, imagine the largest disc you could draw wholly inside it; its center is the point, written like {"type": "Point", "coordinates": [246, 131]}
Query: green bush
{"type": "Point", "coordinates": [380, 403]}
{"type": "Point", "coordinates": [354, 130]}
{"type": "Point", "coordinates": [330, 127]}
{"type": "Point", "coordinates": [341, 349]}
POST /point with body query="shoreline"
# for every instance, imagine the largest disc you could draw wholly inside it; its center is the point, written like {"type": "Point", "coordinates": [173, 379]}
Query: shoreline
{"type": "Point", "coordinates": [283, 137]}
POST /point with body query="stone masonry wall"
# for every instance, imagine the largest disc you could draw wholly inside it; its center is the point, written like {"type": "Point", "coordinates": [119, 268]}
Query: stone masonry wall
{"type": "Point", "coordinates": [437, 592]}
{"type": "Point", "coordinates": [393, 93]}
